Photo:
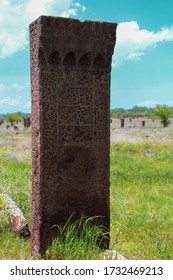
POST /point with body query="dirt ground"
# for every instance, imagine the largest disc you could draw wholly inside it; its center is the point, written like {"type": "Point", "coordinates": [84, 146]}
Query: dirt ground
{"type": "Point", "coordinates": [134, 132]}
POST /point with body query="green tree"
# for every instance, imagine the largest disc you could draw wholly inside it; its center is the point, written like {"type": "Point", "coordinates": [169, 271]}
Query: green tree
{"type": "Point", "coordinates": [163, 113]}
{"type": "Point", "coordinates": [12, 118]}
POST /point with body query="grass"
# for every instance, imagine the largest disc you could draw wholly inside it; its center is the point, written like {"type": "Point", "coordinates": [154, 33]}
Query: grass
{"type": "Point", "coordinates": [15, 180]}
{"type": "Point", "coordinates": [77, 241]}
{"type": "Point", "coordinates": [141, 201]}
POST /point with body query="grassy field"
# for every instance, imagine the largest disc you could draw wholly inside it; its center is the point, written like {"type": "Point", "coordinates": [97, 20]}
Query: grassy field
{"type": "Point", "coordinates": [141, 194]}
{"type": "Point", "coordinates": [15, 180]}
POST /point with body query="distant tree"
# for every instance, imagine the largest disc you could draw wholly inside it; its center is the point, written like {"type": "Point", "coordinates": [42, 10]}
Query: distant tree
{"type": "Point", "coordinates": [12, 118]}
{"type": "Point", "coordinates": [23, 115]}
{"type": "Point", "coordinates": [163, 113]}
{"type": "Point", "coordinates": [116, 113]}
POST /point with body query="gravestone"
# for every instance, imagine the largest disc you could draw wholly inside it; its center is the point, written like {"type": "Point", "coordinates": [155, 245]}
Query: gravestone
{"type": "Point", "coordinates": [122, 122]}
{"type": "Point", "coordinates": [24, 123]}
{"type": "Point", "coordinates": [27, 122]}
{"type": "Point", "coordinates": [70, 76]}
{"type": "Point", "coordinates": [143, 123]}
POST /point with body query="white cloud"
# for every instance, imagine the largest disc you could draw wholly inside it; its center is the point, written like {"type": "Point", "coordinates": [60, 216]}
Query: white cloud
{"type": "Point", "coordinates": [17, 87]}
{"type": "Point", "coordinates": [2, 87]}
{"type": "Point", "coordinates": [35, 8]}
{"type": "Point", "coordinates": [153, 103]}
{"type": "Point", "coordinates": [27, 106]}
{"type": "Point", "coordinates": [12, 103]}
{"type": "Point", "coordinates": [149, 103]}
{"type": "Point", "coordinates": [16, 16]}
{"type": "Point", "coordinates": [9, 101]}
{"type": "Point", "coordinates": [133, 42]}
{"type": "Point", "coordinates": [14, 97]}
{"type": "Point", "coordinates": [80, 6]}
{"type": "Point", "coordinates": [69, 12]}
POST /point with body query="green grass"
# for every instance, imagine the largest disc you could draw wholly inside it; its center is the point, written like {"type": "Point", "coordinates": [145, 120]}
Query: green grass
{"type": "Point", "coordinates": [141, 203]}
{"type": "Point", "coordinates": [142, 200]}
{"type": "Point", "coordinates": [79, 240]}
{"type": "Point", "coordinates": [15, 180]}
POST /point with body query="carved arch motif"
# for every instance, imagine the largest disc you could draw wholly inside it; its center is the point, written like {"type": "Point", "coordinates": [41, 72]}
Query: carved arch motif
{"type": "Point", "coordinates": [70, 59]}
{"type": "Point", "coordinates": [54, 58]}
{"type": "Point", "coordinates": [85, 60]}
{"type": "Point", "coordinates": [99, 61]}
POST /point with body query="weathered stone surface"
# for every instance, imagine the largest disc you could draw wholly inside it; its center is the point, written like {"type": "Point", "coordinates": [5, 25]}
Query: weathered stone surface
{"type": "Point", "coordinates": [113, 255]}
{"type": "Point", "coordinates": [122, 122]}
{"type": "Point", "coordinates": [27, 122]}
{"type": "Point", "coordinates": [20, 225]}
{"type": "Point", "coordinates": [70, 74]}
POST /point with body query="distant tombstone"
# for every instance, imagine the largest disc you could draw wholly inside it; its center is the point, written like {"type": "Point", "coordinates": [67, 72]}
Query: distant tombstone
{"type": "Point", "coordinates": [130, 120]}
{"type": "Point", "coordinates": [24, 123]}
{"type": "Point", "coordinates": [143, 123]}
{"type": "Point", "coordinates": [70, 74]}
{"type": "Point", "coordinates": [27, 122]}
{"type": "Point", "coordinates": [122, 122]}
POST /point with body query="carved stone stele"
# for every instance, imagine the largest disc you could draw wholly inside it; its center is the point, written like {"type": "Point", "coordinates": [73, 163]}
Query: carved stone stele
{"type": "Point", "coordinates": [70, 75]}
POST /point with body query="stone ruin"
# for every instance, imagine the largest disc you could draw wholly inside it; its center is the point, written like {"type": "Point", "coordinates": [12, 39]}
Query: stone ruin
{"type": "Point", "coordinates": [70, 76]}
{"type": "Point", "coordinates": [27, 122]}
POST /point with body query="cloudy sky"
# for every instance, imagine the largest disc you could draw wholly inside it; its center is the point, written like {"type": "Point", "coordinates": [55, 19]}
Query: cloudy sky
{"type": "Point", "coordinates": [142, 70]}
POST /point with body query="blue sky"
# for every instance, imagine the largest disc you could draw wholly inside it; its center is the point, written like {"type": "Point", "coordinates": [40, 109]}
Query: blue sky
{"type": "Point", "coordinates": [142, 68]}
